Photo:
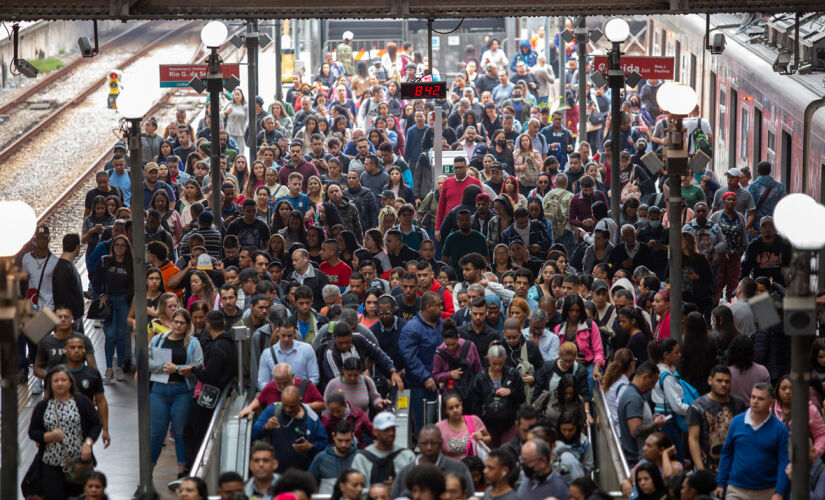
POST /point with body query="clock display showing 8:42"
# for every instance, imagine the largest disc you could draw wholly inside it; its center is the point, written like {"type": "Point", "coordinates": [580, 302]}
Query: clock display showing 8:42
{"type": "Point", "coordinates": [423, 90]}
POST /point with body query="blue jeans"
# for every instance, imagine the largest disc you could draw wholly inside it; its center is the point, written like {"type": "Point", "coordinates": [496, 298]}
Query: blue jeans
{"type": "Point", "coordinates": [169, 403]}
{"type": "Point", "coordinates": [26, 353]}
{"type": "Point", "coordinates": [675, 434]}
{"type": "Point", "coordinates": [115, 330]}
{"type": "Point", "coordinates": [417, 397]}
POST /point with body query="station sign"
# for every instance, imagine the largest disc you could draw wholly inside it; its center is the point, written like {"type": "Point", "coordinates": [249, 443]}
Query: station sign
{"type": "Point", "coordinates": [650, 67]}
{"type": "Point", "coordinates": [179, 75]}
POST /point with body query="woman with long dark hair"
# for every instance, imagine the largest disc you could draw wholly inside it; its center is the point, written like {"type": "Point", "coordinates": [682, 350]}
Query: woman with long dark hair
{"type": "Point", "coordinates": [64, 424]}
{"type": "Point", "coordinates": [115, 282]}
{"type": "Point", "coordinates": [280, 216]}
{"type": "Point", "coordinates": [314, 238]}
{"type": "Point", "coordinates": [328, 216]}
{"type": "Point", "coordinates": [576, 328]}
{"type": "Point", "coordinates": [649, 482]}
{"type": "Point", "coordinates": [633, 323]}
{"type": "Point", "coordinates": [698, 353]}
{"type": "Point", "coordinates": [349, 485]}
{"type": "Point", "coordinates": [154, 291]}
{"type": "Point", "coordinates": [616, 379]}
{"type": "Point", "coordinates": [503, 208]}
{"type": "Point", "coordinates": [396, 184]}
{"type": "Point", "coordinates": [347, 245]}
{"type": "Point", "coordinates": [191, 194]}
{"type": "Point", "coordinates": [697, 277]}
{"type": "Point", "coordinates": [668, 393]}
{"type": "Point", "coordinates": [295, 230]}
{"type": "Point", "coordinates": [744, 373]}
{"type": "Point", "coordinates": [724, 328]}
{"type": "Point", "coordinates": [96, 223]}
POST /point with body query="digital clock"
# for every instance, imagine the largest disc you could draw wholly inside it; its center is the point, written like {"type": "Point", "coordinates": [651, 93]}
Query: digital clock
{"type": "Point", "coordinates": [423, 90]}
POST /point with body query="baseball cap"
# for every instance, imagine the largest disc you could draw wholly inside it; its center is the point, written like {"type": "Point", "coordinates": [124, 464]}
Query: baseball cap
{"type": "Point", "coordinates": [734, 172]}
{"type": "Point", "coordinates": [350, 300]}
{"type": "Point", "coordinates": [384, 421]}
{"type": "Point", "coordinates": [204, 262]}
{"type": "Point", "coordinates": [495, 166]}
{"type": "Point", "coordinates": [483, 197]}
{"type": "Point", "coordinates": [150, 166]}
{"type": "Point", "coordinates": [275, 262]}
{"type": "Point", "coordinates": [42, 230]}
{"type": "Point", "coordinates": [347, 35]}
{"type": "Point", "coordinates": [598, 284]}
{"type": "Point", "coordinates": [206, 218]}
{"type": "Point", "coordinates": [387, 194]}
{"type": "Point", "coordinates": [121, 145]}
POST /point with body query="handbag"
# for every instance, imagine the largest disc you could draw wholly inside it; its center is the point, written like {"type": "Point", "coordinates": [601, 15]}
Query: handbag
{"type": "Point", "coordinates": [33, 294]}
{"type": "Point", "coordinates": [99, 312]}
{"type": "Point", "coordinates": [32, 484]}
{"type": "Point", "coordinates": [75, 470]}
{"type": "Point", "coordinates": [631, 190]}
{"type": "Point", "coordinates": [475, 447]}
{"type": "Point", "coordinates": [208, 395]}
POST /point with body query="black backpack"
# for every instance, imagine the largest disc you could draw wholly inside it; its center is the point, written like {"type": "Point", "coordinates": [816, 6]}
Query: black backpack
{"type": "Point", "coordinates": [382, 468]}
{"type": "Point", "coordinates": [464, 385]}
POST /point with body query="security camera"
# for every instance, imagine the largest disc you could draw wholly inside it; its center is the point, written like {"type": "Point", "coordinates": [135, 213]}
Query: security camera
{"type": "Point", "coordinates": [26, 68]}
{"type": "Point", "coordinates": [86, 49]}
{"type": "Point", "coordinates": [717, 43]}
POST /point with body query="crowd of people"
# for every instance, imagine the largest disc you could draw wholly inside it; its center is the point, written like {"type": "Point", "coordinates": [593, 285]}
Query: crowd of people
{"type": "Point", "coordinates": [505, 290]}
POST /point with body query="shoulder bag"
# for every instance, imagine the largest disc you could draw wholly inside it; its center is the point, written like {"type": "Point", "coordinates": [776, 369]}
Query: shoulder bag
{"type": "Point", "coordinates": [74, 469]}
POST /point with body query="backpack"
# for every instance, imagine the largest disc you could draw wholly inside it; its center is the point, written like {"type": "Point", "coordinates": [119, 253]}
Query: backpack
{"type": "Point", "coordinates": [554, 212]}
{"type": "Point", "coordinates": [701, 141]}
{"type": "Point", "coordinates": [464, 385]}
{"type": "Point", "coordinates": [689, 395]}
{"type": "Point", "coordinates": [382, 468]}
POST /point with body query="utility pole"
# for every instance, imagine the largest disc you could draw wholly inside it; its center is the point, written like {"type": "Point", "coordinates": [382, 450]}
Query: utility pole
{"type": "Point", "coordinates": [562, 62]}
{"type": "Point", "coordinates": [581, 43]}
{"type": "Point", "coordinates": [278, 77]}
{"type": "Point", "coordinates": [252, 86]}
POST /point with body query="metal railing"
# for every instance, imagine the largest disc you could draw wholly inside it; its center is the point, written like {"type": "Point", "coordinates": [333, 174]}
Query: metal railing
{"type": "Point", "coordinates": [236, 440]}
{"type": "Point", "coordinates": [610, 460]}
{"type": "Point", "coordinates": [205, 465]}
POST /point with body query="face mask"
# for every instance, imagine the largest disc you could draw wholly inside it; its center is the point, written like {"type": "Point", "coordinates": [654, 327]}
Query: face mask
{"type": "Point", "coordinates": [655, 223]}
{"type": "Point", "coordinates": [517, 98]}
{"type": "Point", "coordinates": [501, 142]}
{"type": "Point", "coordinates": [528, 471]}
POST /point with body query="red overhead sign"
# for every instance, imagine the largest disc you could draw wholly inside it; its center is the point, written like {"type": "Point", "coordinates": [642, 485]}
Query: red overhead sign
{"type": "Point", "coordinates": [179, 75]}
{"type": "Point", "coordinates": [650, 67]}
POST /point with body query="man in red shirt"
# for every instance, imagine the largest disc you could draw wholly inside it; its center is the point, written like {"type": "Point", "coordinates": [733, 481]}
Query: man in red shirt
{"type": "Point", "coordinates": [427, 283]}
{"type": "Point", "coordinates": [284, 377]}
{"type": "Point", "coordinates": [337, 271]}
{"type": "Point", "coordinates": [452, 192]}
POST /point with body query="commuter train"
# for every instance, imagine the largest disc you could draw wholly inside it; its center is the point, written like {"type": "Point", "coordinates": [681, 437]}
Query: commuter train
{"type": "Point", "coordinates": [756, 113]}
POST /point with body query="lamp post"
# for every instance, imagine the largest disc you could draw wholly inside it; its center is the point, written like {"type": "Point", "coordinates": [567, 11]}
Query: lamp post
{"type": "Point", "coordinates": [213, 34]}
{"type": "Point", "coordinates": [679, 100]}
{"type": "Point", "coordinates": [17, 224]}
{"type": "Point", "coordinates": [133, 106]}
{"type": "Point", "coordinates": [616, 30]}
{"type": "Point", "coordinates": [792, 218]}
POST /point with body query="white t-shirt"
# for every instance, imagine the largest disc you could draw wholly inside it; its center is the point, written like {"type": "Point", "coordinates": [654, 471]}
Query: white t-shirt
{"type": "Point", "coordinates": [35, 266]}
{"type": "Point", "coordinates": [690, 125]}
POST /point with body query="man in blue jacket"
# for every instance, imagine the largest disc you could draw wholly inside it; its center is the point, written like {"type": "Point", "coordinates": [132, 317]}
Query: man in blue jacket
{"type": "Point", "coordinates": [419, 339]}
{"type": "Point", "coordinates": [294, 430]}
{"type": "Point", "coordinates": [755, 454]}
{"type": "Point", "coordinates": [525, 54]}
{"type": "Point", "coordinates": [336, 457]}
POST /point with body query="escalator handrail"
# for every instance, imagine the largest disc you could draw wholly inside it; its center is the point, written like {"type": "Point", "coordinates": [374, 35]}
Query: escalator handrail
{"type": "Point", "coordinates": [198, 466]}
{"type": "Point", "coordinates": [624, 468]}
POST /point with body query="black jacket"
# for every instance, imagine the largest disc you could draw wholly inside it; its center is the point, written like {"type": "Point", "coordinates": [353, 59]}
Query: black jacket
{"type": "Point", "coordinates": [315, 282]}
{"type": "Point", "coordinates": [90, 425]}
{"type": "Point", "coordinates": [367, 205]}
{"type": "Point", "coordinates": [68, 290]}
{"type": "Point", "coordinates": [483, 392]}
{"type": "Point", "coordinates": [220, 362]}
{"type": "Point", "coordinates": [533, 355]}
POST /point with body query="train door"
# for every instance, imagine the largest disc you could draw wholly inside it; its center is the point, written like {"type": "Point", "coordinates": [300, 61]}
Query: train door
{"type": "Point", "coordinates": [734, 121]}
{"type": "Point", "coordinates": [757, 135]}
{"type": "Point", "coordinates": [677, 58]}
{"type": "Point", "coordinates": [744, 135]}
{"type": "Point", "coordinates": [712, 110]}
{"type": "Point", "coordinates": [787, 156]}
{"type": "Point", "coordinates": [663, 47]}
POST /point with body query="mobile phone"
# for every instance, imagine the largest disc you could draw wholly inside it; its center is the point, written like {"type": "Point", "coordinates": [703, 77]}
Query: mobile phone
{"type": "Point", "coordinates": [668, 417]}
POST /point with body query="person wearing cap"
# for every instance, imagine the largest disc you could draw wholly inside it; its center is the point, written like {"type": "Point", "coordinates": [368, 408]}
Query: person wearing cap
{"type": "Point", "coordinates": [744, 200]}
{"type": "Point", "coordinates": [384, 425]}
{"type": "Point", "coordinates": [767, 255]}
{"type": "Point", "coordinates": [452, 192]}
{"type": "Point", "coordinates": [151, 184]}
{"type": "Point", "coordinates": [387, 198]}
{"type": "Point", "coordinates": [121, 149]}
{"type": "Point", "coordinates": [343, 52]}
{"type": "Point", "coordinates": [733, 227]}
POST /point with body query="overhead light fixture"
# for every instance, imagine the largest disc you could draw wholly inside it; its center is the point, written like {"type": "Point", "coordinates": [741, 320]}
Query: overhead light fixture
{"type": "Point", "coordinates": [17, 224]}
{"type": "Point", "coordinates": [596, 35]}
{"type": "Point", "coordinates": [598, 79]}
{"type": "Point", "coordinates": [616, 29]}
{"type": "Point", "coordinates": [633, 79]}
{"type": "Point", "coordinates": [237, 41]}
{"type": "Point", "coordinates": [264, 40]}
{"type": "Point", "coordinates": [567, 36]}
{"type": "Point", "coordinates": [213, 34]}
{"type": "Point", "coordinates": [231, 82]}
{"type": "Point", "coordinates": [197, 85]}
{"type": "Point", "coordinates": [134, 102]}
{"type": "Point", "coordinates": [800, 232]}
{"type": "Point", "coordinates": [676, 98]}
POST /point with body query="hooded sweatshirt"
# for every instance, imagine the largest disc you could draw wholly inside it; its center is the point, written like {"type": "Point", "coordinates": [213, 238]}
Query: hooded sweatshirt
{"type": "Point", "coordinates": [327, 466]}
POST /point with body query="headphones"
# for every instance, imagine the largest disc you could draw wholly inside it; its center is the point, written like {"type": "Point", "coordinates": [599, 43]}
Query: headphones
{"type": "Point", "coordinates": [388, 298]}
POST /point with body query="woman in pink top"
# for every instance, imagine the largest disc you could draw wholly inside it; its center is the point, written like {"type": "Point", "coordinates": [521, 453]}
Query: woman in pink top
{"type": "Point", "coordinates": [576, 328]}
{"type": "Point", "coordinates": [459, 431]}
{"type": "Point", "coordinates": [359, 390]}
{"type": "Point", "coordinates": [661, 306]}
{"type": "Point", "coordinates": [782, 411]}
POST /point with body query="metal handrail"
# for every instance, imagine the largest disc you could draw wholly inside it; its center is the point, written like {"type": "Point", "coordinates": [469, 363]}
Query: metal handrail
{"type": "Point", "coordinates": [614, 447]}
{"type": "Point", "coordinates": [199, 465]}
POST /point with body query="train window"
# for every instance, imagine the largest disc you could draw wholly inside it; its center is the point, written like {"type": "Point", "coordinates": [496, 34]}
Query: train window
{"type": "Point", "coordinates": [787, 156]}
{"type": "Point", "coordinates": [663, 48]}
{"type": "Point", "coordinates": [771, 148]}
{"type": "Point", "coordinates": [723, 114]}
{"type": "Point", "coordinates": [733, 108]}
{"type": "Point", "coordinates": [693, 70]}
{"type": "Point", "coordinates": [757, 135]}
{"type": "Point", "coordinates": [744, 134]}
{"type": "Point", "coordinates": [678, 61]}
{"type": "Point", "coordinates": [651, 40]}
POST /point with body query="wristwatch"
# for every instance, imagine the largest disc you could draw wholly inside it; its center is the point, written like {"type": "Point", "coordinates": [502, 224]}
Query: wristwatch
{"type": "Point", "coordinates": [89, 442]}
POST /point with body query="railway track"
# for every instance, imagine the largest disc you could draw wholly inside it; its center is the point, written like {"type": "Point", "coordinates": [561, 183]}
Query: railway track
{"type": "Point", "coordinates": [45, 121]}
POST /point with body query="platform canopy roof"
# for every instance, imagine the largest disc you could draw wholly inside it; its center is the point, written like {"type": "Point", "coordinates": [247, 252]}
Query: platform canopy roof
{"type": "Point", "coordinates": [18, 10]}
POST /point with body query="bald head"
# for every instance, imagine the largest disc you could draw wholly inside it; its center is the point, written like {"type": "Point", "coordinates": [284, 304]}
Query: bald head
{"type": "Point", "coordinates": [290, 396]}
{"type": "Point", "coordinates": [283, 376]}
